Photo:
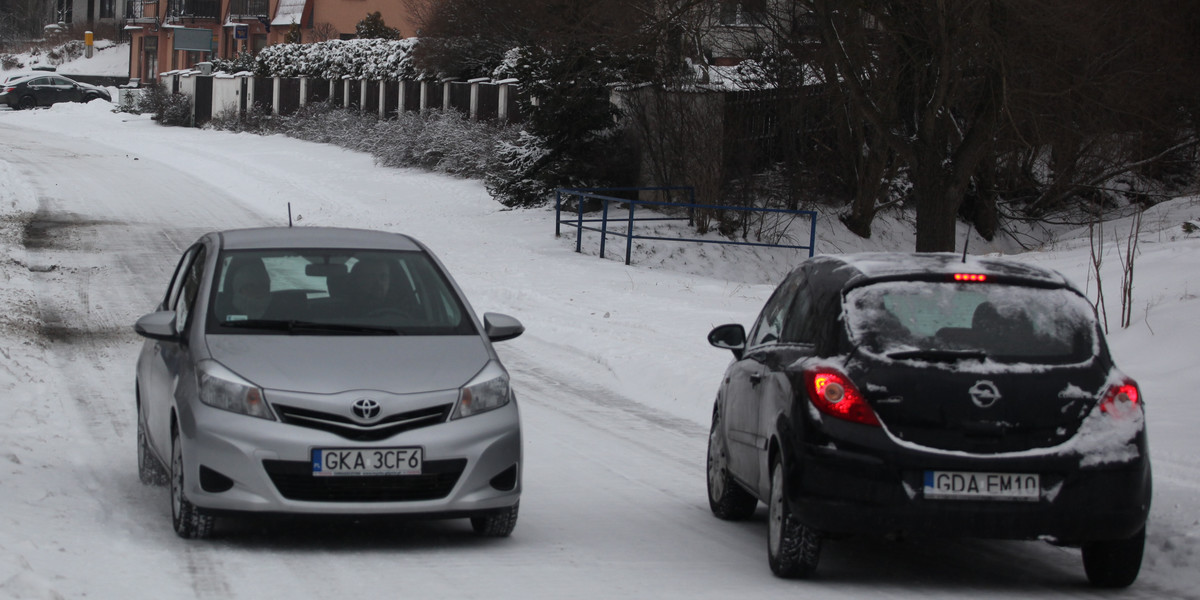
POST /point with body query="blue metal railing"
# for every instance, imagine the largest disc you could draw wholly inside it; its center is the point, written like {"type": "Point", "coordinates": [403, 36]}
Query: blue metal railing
{"type": "Point", "coordinates": [580, 223]}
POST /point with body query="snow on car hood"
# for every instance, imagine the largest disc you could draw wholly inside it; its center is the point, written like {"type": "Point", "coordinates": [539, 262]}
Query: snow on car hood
{"type": "Point", "coordinates": [332, 364]}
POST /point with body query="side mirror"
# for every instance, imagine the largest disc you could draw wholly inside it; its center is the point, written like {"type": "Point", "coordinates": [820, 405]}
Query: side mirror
{"type": "Point", "coordinates": [500, 327]}
{"type": "Point", "coordinates": [730, 337]}
{"type": "Point", "coordinates": [158, 326]}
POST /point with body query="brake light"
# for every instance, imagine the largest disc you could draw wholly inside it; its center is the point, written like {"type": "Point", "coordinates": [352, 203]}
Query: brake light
{"type": "Point", "coordinates": [972, 277]}
{"type": "Point", "coordinates": [1120, 399]}
{"type": "Point", "coordinates": [833, 394]}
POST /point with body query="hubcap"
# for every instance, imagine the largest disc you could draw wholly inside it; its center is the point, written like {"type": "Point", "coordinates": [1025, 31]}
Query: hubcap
{"type": "Point", "coordinates": [775, 515]}
{"type": "Point", "coordinates": [176, 481]}
{"type": "Point", "coordinates": [716, 465]}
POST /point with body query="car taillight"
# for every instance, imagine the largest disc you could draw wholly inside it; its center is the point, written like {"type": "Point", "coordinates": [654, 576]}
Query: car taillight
{"type": "Point", "coordinates": [972, 277]}
{"type": "Point", "coordinates": [833, 394]}
{"type": "Point", "coordinates": [9, 89]}
{"type": "Point", "coordinates": [1120, 398]}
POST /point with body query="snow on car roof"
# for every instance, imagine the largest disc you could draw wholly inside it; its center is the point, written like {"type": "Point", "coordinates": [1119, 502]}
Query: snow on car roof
{"type": "Point", "coordinates": [876, 265]}
{"type": "Point", "coordinates": [315, 237]}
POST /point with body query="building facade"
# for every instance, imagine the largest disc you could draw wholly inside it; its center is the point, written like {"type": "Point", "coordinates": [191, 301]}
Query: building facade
{"type": "Point", "coordinates": [168, 35]}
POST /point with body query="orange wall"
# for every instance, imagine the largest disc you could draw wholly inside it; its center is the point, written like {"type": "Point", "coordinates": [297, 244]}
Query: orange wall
{"type": "Point", "coordinates": [343, 15]}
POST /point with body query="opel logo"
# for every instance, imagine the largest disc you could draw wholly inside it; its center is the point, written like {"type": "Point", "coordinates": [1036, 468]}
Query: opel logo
{"type": "Point", "coordinates": [366, 409]}
{"type": "Point", "coordinates": [984, 394]}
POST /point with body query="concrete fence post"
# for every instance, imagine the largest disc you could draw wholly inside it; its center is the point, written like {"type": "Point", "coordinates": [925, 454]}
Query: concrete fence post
{"type": "Point", "coordinates": [276, 92]}
{"type": "Point", "coordinates": [303, 91]}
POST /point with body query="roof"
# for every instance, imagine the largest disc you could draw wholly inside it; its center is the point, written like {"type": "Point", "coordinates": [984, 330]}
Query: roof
{"type": "Point", "coordinates": [870, 266]}
{"type": "Point", "coordinates": [316, 237]}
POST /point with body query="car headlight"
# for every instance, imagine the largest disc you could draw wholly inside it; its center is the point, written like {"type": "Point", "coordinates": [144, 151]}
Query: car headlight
{"type": "Point", "coordinates": [224, 389]}
{"type": "Point", "coordinates": [487, 391]}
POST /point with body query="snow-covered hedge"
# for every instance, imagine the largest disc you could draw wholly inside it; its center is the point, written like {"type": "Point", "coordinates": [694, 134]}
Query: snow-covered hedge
{"type": "Point", "coordinates": [360, 59]}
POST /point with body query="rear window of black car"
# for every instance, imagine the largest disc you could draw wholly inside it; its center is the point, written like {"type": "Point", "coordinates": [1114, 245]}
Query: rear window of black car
{"type": "Point", "coordinates": [1005, 323]}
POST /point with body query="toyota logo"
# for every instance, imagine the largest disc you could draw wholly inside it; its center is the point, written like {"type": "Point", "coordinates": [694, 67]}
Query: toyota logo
{"type": "Point", "coordinates": [984, 394]}
{"type": "Point", "coordinates": [366, 409]}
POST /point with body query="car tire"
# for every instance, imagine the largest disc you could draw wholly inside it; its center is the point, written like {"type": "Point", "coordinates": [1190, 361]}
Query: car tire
{"type": "Point", "coordinates": [27, 102]}
{"type": "Point", "coordinates": [1114, 563]}
{"type": "Point", "coordinates": [793, 550]}
{"type": "Point", "coordinates": [726, 498]}
{"type": "Point", "coordinates": [496, 523]}
{"type": "Point", "coordinates": [188, 520]}
{"type": "Point", "coordinates": [150, 470]}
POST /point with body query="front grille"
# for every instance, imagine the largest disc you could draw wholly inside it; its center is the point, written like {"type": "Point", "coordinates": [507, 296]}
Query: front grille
{"type": "Point", "coordinates": [295, 481]}
{"type": "Point", "coordinates": [345, 427]}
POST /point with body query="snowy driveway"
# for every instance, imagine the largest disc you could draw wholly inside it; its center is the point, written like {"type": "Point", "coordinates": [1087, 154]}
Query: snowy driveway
{"type": "Point", "coordinates": [613, 380]}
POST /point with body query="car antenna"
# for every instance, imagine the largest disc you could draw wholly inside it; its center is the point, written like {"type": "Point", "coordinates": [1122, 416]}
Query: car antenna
{"type": "Point", "coordinates": [289, 214]}
{"type": "Point", "coordinates": [966, 242]}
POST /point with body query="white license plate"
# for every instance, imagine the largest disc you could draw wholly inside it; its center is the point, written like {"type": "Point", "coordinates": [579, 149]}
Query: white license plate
{"type": "Point", "coordinates": [961, 485]}
{"type": "Point", "coordinates": [332, 462]}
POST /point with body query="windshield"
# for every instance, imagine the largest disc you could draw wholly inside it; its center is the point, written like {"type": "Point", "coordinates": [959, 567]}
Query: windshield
{"type": "Point", "coordinates": [334, 292]}
{"type": "Point", "coordinates": [949, 321]}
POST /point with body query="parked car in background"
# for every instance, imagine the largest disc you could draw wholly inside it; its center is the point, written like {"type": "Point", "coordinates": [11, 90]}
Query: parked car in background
{"type": "Point", "coordinates": [329, 372]}
{"type": "Point", "coordinates": [930, 395]}
{"type": "Point", "coordinates": [40, 89]}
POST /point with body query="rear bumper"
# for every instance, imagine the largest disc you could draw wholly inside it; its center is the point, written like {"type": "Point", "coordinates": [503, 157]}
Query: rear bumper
{"type": "Point", "coordinates": [848, 493]}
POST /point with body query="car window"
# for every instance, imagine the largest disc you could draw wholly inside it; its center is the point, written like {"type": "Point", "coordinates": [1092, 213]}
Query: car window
{"type": "Point", "coordinates": [262, 290]}
{"type": "Point", "coordinates": [39, 81]}
{"type": "Point", "coordinates": [1005, 322]}
{"type": "Point", "coordinates": [801, 325]}
{"type": "Point", "coordinates": [177, 279]}
{"type": "Point", "coordinates": [190, 289]}
{"type": "Point", "coordinates": [769, 326]}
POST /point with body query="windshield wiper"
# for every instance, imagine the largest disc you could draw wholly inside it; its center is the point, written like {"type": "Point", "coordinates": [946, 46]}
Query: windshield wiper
{"type": "Point", "coordinates": [295, 327]}
{"type": "Point", "coordinates": [939, 355]}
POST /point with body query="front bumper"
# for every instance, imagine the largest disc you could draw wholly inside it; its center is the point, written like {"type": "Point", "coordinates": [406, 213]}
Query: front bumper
{"type": "Point", "coordinates": [236, 463]}
{"type": "Point", "coordinates": [842, 492]}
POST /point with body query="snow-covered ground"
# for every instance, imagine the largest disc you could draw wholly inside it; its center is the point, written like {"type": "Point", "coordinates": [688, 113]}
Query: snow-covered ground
{"type": "Point", "coordinates": [614, 375]}
{"type": "Point", "coordinates": [108, 58]}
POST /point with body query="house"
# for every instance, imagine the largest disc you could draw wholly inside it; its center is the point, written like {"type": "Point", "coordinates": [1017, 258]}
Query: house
{"type": "Point", "coordinates": [168, 35]}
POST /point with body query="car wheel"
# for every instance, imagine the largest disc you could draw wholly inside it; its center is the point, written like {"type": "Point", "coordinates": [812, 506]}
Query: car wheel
{"type": "Point", "coordinates": [189, 521]}
{"type": "Point", "coordinates": [793, 550]}
{"type": "Point", "coordinates": [727, 499]}
{"type": "Point", "coordinates": [27, 102]}
{"type": "Point", "coordinates": [150, 470]}
{"type": "Point", "coordinates": [1114, 563]}
{"type": "Point", "coordinates": [496, 523]}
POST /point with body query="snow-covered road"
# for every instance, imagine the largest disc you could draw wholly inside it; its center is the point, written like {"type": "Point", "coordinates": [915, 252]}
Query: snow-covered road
{"type": "Point", "coordinates": [613, 379]}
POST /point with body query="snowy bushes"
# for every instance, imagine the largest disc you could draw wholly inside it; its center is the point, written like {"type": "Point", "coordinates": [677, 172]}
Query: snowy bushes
{"type": "Point", "coordinates": [389, 60]}
{"type": "Point", "coordinates": [167, 108]}
{"type": "Point", "coordinates": [446, 142]}
{"type": "Point", "coordinates": [571, 138]}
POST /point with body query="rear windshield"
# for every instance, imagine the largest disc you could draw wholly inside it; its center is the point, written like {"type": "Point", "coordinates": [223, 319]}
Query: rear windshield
{"type": "Point", "coordinates": [334, 292]}
{"type": "Point", "coordinates": [999, 322]}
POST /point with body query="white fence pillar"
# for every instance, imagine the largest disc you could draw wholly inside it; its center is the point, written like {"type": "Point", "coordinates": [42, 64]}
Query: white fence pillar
{"type": "Point", "coordinates": [475, 95]}
{"type": "Point", "coordinates": [303, 91]}
{"type": "Point", "coordinates": [275, 94]}
{"type": "Point", "coordinates": [383, 99]}
{"type": "Point", "coordinates": [345, 92]}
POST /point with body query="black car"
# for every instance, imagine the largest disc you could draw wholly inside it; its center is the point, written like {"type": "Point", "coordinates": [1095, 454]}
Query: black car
{"type": "Point", "coordinates": [930, 395]}
{"type": "Point", "coordinates": [47, 89]}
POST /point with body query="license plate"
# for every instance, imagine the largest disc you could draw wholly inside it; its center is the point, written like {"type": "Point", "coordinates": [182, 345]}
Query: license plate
{"type": "Point", "coordinates": [333, 462]}
{"type": "Point", "coordinates": [960, 485]}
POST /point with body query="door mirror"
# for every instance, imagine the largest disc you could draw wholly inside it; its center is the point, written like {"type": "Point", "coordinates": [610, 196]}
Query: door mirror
{"type": "Point", "coordinates": [158, 326]}
{"type": "Point", "coordinates": [500, 327]}
{"type": "Point", "coordinates": [729, 337]}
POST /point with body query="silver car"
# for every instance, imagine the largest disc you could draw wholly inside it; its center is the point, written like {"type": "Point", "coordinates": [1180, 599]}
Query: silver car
{"type": "Point", "coordinates": [325, 371]}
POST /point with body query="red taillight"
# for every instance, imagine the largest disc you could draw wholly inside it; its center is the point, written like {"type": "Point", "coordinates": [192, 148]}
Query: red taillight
{"type": "Point", "coordinates": [1120, 398]}
{"type": "Point", "coordinates": [972, 277]}
{"type": "Point", "coordinates": [833, 394]}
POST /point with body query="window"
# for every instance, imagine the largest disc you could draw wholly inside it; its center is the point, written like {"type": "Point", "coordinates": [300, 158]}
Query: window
{"type": "Point", "coordinates": [743, 12]}
{"type": "Point", "coordinates": [106, 9]}
{"type": "Point", "coordinates": [190, 289]}
{"type": "Point", "coordinates": [769, 327]}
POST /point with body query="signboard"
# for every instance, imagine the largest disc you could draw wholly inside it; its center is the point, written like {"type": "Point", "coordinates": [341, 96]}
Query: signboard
{"type": "Point", "coordinates": [196, 40]}
{"type": "Point", "coordinates": [241, 32]}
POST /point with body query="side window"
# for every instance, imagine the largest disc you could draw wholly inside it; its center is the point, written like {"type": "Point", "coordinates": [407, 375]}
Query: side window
{"type": "Point", "coordinates": [802, 325]}
{"type": "Point", "coordinates": [769, 327]}
{"type": "Point", "coordinates": [190, 289]}
{"type": "Point", "coordinates": [168, 301]}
